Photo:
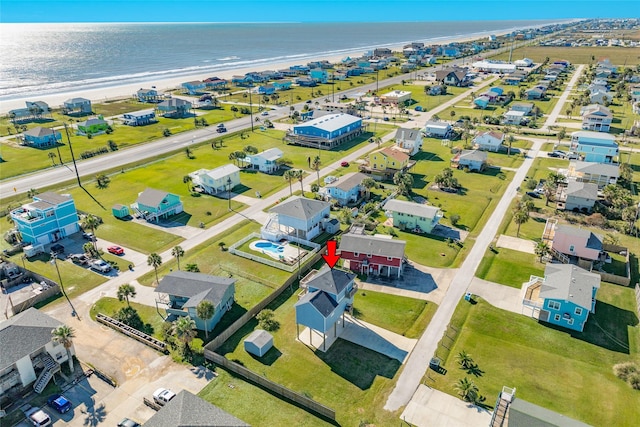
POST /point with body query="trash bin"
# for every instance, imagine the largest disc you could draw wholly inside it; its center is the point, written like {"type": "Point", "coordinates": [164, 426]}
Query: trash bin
{"type": "Point", "coordinates": [467, 296]}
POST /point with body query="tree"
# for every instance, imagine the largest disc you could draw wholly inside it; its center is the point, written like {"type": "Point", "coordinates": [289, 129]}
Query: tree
{"type": "Point", "coordinates": [266, 321]}
{"type": "Point", "coordinates": [205, 311]}
{"type": "Point", "coordinates": [130, 317]}
{"type": "Point", "coordinates": [299, 175]}
{"type": "Point", "coordinates": [630, 215]}
{"type": "Point", "coordinates": [126, 291]}
{"type": "Point", "coordinates": [510, 140]}
{"type": "Point", "coordinates": [184, 330]}
{"type": "Point", "coordinates": [626, 173]}
{"type": "Point", "coordinates": [467, 390]}
{"type": "Point", "coordinates": [177, 252]}
{"type": "Point", "coordinates": [102, 181]}
{"type": "Point", "coordinates": [112, 145]}
{"type": "Point", "coordinates": [250, 149]}
{"type": "Point", "coordinates": [92, 223]}
{"type": "Point", "coordinates": [155, 261]}
{"type": "Point", "coordinates": [64, 335]}
{"type": "Point", "coordinates": [404, 181]}
{"type": "Point", "coordinates": [315, 165]}
{"type": "Point", "coordinates": [455, 218]}
{"type": "Point", "coordinates": [549, 189]}
{"type": "Point", "coordinates": [187, 180]}
{"type": "Point", "coordinates": [520, 216]}
{"type": "Point", "coordinates": [464, 360]}
{"type": "Point", "coordinates": [561, 134]}
{"type": "Point", "coordinates": [52, 156]}
{"type": "Point", "coordinates": [368, 184]}
{"type": "Point", "coordinates": [189, 153]}
{"type": "Point", "coordinates": [542, 250]}
{"type": "Point", "coordinates": [289, 176]}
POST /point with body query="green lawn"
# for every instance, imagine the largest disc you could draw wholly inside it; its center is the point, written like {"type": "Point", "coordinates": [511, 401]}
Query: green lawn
{"type": "Point", "coordinates": [402, 315]}
{"type": "Point", "coordinates": [576, 55]}
{"type": "Point", "coordinates": [355, 382]}
{"type": "Point", "coordinates": [509, 267]}
{"type": "Point", "coordinates": [567, 372]}
{"type": "Point", "coordinates": [152, 319]}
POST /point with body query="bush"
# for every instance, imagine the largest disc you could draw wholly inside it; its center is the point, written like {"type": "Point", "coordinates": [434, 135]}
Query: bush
{"type": "Point", "coordinates": [454, 219]}
{"type": "Point", "coordinates": [634, 380]}
{"type": "Point", "coordinates": [625, 370]}
{"type": "Point", "coordinates": [315, 188]}
{"type": "Point", "coordinates": [531, 184]}
{"type": "Point", "coordinates": [266, 320]}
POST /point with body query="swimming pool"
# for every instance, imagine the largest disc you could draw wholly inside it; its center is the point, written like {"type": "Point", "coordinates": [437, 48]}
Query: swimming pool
{"type": "Point", "coordinates": [269, 248]}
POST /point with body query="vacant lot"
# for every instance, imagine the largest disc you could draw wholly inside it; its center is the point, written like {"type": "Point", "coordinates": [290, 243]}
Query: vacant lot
{"type": "Point", "coordinates": [577, 55]}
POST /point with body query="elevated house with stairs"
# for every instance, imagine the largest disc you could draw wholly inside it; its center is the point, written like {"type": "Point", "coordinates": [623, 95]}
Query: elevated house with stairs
{"type": "Point", "coordinates": [573, 244]}
{"type": "Point", "coordinates": [28, 354]}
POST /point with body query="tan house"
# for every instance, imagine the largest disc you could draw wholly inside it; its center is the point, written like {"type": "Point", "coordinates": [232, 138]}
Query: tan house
{"type": "Point", "coordinates": [601, 174]}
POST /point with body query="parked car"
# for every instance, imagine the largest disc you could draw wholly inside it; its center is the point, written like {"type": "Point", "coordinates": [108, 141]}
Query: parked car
{"type": "Point", "coordinates": [344, 164]}
{"type": "Point", "coordinates": [573, 156]}
{"type": "Point", "coordinates": [89, 236]}
{"type": "Point", "coordinates": [221, 125]}
{"type": "Point", "coordinates": [533, 194]}
{"type": "Point", "coordinates": [265, 113]}
{"type": "Point", "coordinates": [101, 266]}
{"type": "Point", "coordinates": [116, 250]}
{"type": "Point", "coordinates": [162, 396]}
{"type": "Point", "coordinates": [127, 422]}
{"type": "Point", "coordinates": [59, 403]}
{"type": "Point", "coordinates": [80, 259]}
{"type": "Point", "coordinates": [37, 417]}
{"type": "Point", "coordinates": [418, 108]}
{"type": "Point", "coordinates": [557, 153]}
{"type": "Point", "coordinates": [57, 248]}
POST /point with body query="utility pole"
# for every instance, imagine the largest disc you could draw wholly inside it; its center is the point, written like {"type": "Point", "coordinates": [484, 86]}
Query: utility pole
{"type": "Point", "coordinates": [251, 106]}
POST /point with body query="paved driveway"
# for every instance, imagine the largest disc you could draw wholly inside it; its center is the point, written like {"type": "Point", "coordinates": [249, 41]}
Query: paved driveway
{"type": "Point", "coordinates": [501, 296]}
{"type": "Point", "coordinates": [517, 244]}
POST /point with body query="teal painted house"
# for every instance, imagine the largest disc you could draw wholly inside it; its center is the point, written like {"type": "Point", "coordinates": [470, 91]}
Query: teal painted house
{"type": "Point", "coordinates": [319, 75]}
{"type": "Point", "coordinates": [328, 294]}
{"type": "Point", "coordinates": [182, 291]}
{"type": "Point", "coordinates": [40, 137]}
{"type": "Point", "coordinates": [412, 216]}
{"type": "Point", "coordinates": [153, 204]}
{"type": "Point", "coordinates": [564, 296]}
{"type": "Point", "coordinates": [49, 218]}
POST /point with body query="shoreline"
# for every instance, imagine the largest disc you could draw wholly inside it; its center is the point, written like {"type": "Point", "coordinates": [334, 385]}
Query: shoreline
{"type": "Point", "coordinates": [123, 91]}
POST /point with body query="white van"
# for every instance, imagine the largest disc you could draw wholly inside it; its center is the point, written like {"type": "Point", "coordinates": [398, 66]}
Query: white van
{"type": "Point", "coordinates": [38, 417]}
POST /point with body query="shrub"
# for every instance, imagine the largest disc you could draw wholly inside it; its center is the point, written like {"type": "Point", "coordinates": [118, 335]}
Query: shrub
{"type": "Point", "coordinates": [454, 219]}
{"type": "Point", "coordinates": [625, 370]}
{"type": "Point", "coordinates": [193, 268]}
{"type": "Point", "coordinates": [315, 188]}
{"type": "Point", "coordinates": [634, 380]}
{"type": "Point", "coordinates": [129, 316]}
{"type": "Point", "coordinates": [266, 320]}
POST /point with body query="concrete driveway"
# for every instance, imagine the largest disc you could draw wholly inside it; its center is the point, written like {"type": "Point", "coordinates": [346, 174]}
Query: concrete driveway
{"type": "Point", "coordinates": [517, 244]}
{"type": "Point", "coordinates": [501, 296]}
{"type": "Point", "coordinates": [378, 339]}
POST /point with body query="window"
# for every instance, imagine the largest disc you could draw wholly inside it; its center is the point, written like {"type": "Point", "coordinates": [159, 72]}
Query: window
{"type": "Point", "coordinates": [554, 305]}
{"type": "Point", "coordinates": [572, 248]}
{"type": "Point", "coordinates": [356, 254]}
{"type": "Point", "coordinates": [570, 321]}
{"type": "Point", "coordinates": [556, 317]}
{"type": "Point", "coordinates": [368, 255]}
{"type": "Point", "coordinates": [578, 311]}
{"type": "Point", "coordinates": [389, 258]}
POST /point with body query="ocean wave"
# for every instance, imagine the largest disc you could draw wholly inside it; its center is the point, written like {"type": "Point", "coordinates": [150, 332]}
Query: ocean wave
{"type": "Point", "coordinates": [228, 58]}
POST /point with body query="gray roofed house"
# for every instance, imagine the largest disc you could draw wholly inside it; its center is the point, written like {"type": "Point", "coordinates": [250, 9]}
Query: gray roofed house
{"type": "Point", "coordinates": [475, 160]}
{"type": "Point", "coordinates": [347, 189]}
{"type": "Point", "coordinates": [409, 140]}
{"type": "Point", "coordinates": [569, 282]}
{"type": "Point", "coordinates": [182, 291]}
{"type": "Point", "coordinates": [53, 198]}
{"type": "Point", "coordinates": [189, 410]}
{"type": "Point", "coordinates": [297, 216]}
{"type": "Point", "coordinates": [577, 196]}
{"type": "Point", "coordinates": [525, 414]}
{"type": "Point", "coordinates": [300, 207]}
{"type": "Point", "coordinates": [601, 174]}
{"type": "Point", "coordinates": [412, 208]}
{"type": "Point", "coordinates": [373, 245]}
{"type": "Point", "coordinates": [348, 181]}
{"type": "Point", "coordinates": [327, 279]}
{"type": "Point", "coordinates": [419, 217]}
{"type": "Point", "coordinates": [26, 343]}
{"type": "Point", "coordinates": [321, 301]}
{"type": "Point", "coordinates": [174, 107]}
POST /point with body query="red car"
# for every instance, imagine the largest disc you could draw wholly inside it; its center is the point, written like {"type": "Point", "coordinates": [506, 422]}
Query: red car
{"type": "Point", "coordinates": [344, 164]}
{"type": "Point", "coordinates": [116, 250]}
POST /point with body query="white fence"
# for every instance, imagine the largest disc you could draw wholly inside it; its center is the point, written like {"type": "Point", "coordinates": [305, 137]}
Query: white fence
{"type": "Point", "coordinates": [280, 265]}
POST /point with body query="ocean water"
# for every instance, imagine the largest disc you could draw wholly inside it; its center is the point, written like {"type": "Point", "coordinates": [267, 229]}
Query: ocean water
{"type": "Point", "coordinates": [39, 59]}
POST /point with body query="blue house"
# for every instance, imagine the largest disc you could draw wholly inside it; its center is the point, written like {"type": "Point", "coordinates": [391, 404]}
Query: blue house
{"type": "Point", "coordinates": [300, 69]}
{"type": "Point", "coordinates": [139, 118]}
{"type": "Point", "coordinates": [34, 110]}
{"type": "Point", "coordinates": [243, 81]}
{"type": "Point", "coordinates": [354, 71]}
{"type": "Point", "coordinates": [482, 101]}
{"type": "Point", "coordinates": [346, 190]}
{"type": "Point", "coordinates": [155, 204]}
{"type": "Point", "coordinates": [77, 106]}
{"type": "Point", "coordinates": [282, 85]}
{"type": "Point", "coordinates": [182, 291]}
{"type": "Point", "coordinates": [319, 75]}
{"type": "Point", "coordinates": [326, 132]}
{"type": "Point", "coordinates": [451, 51]}
{"type": "Point", "coordinates": [564, 296]}
{"type": "Point", "coordinates": [306, 82]}
{"type": "Point", "coordinates": [596, 147]}
{"type": "Point", "coordinates": [194, 87]}
{"type": "Point", "coordinates": [266, 89]}
{"type": "Point", "coordinates": [148, 95]}
{"type": "Point", "coordinates": [329, 293]}
{"type": "Point", "coordinates": [40, 137]}
{"type": "Point", "coordinates": [50, 217]}
{"type": "Point", "coordinates": [215, 83]}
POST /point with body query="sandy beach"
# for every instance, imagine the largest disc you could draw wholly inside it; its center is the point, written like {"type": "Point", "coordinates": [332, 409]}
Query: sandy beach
{"type": "Point", "coordinates": [126, 91]}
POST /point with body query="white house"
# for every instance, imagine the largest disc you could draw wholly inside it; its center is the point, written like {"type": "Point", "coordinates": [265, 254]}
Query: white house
{"type": "Point", "coordinates": [213, 181]}
{"type": "Point", "coordinates": [396, 97]}
{"type": "Point", "coordinates": [513, 117]}
{"type": "Point", "coordinates": [409, 140]}
{"type": "Point", "coordinates": [524, 62]}
{"type": "Point", "coordinates": [438, 129]}
{"type": "Point", "coordinates": [489, 141]}
{"type": "Point", "coordinates": [266, 161]}
{"type": "Point", "coordinates": [297, 217]}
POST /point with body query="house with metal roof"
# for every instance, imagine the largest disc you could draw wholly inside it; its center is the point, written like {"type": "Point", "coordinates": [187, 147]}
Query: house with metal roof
{"type": "Point", "coordinates": [194, 87]}
{"type": "Point", "coordinates": [564, 296]}
{"type": "Point", "coordinates": [327, 294]}
{"type": "Point", "coordinates": [409, 140]}
{"type": "Point", "coordinates": [489, 141]}
{"type": "Point", "coordinates": [47, 219]}
{"type": "Point", "coordinates": [297, 218]}
{"type": "Point", "coordinates": [396, 97]}
{"type": "Point", "coordinates": [346, 190]}
{"type": "Point", "coordinates": [596, 118]}
{"type": "Point", "coordinates": [189, 410]}
{"type": "Point", "coordinates": [40, 137]}
{"type": "Point", "coordinates": [34, 110]}
{"type": "Point", "coordinates": [601, 174]}
{"type": "Point", "coordinates": [594, 146]}
{"type": "Point", "coordinates": [139, 118]}
{"type": "Point", "coordinates": [326, 132]}
{"type": "Point", "coordinates": [513, 117]}
{"type": "Point", "coordinates": [474, 160]}
{"type": "Point", "coordinates": [154, 204]}
{"type": "Point", "coordinates": [148, 95]}
{"type": "Point", "coordinates": [174, 107]}
{"type": "Point", "coordinates": [182, 291]}
{"type": "Point", "coordinates": [77, 107]}
{"type": "Point", "coordinates": [28, 354]}
{"type": "Point", "coordinates": [577, 196]}
{"type": "Point", "coordinates": [435, 129]}
{"type": "Point", "coordinates": [265, 161]}
{"type": "Point", "coordinates": [214, 181]}
{"type": "Point", "coordinates": [93, 126]}
{"type": "Point", "coordinates": [417, 217]}
{"type": "Point", "coordinates": [375, 255]}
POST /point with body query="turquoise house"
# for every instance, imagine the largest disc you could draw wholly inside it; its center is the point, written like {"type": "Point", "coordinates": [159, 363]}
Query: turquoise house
{"type": "Point", "coordinates": [153, 204]}
{"type": "Point", "coordinates": [328, 294]}
{"type": "Point", "coordinates": [182, 291]}
{"type": "Point", "coordinates": [348, 189]}
{"type": "Point", "coordinates": [319, 75]}
{"type": "Point", "coordinates": [282, 84]}
{"type": "Point", "coordinates": [596, 147]}
{"type": "Point", "coordinates": [49, 218]}
{"type": "Point", "coordinates": [412, 216]}
{"type": "Point", "coordinates": [194, 87]}
{"type": "Point", "coordinates": [40, 137]}
{"type": "Point", "coordinates": [564, 296]}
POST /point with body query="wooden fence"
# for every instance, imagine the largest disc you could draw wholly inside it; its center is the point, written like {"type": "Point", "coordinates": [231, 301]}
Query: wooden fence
{"type": "Point", "coordinates": [133, 333]}
{"type": "Point", "coordinates": [638, 298]}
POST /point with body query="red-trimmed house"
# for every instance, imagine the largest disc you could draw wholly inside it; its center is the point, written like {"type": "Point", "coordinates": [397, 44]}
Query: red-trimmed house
{"type": "Point", "coordinates": [372, 255]}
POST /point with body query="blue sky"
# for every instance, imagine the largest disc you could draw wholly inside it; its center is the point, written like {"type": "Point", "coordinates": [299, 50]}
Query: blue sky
{"type": "Point", "coordinates": [307, 10]}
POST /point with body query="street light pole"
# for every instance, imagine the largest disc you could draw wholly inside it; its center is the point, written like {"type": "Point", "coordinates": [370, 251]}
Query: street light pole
{"type": "Point", "coordinates": [229, 191]}
{"type": "Point", "coordinates": [53, 261]}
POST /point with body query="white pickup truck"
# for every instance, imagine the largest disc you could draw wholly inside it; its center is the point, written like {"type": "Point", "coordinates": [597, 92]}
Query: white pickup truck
{"type": "Point", "coordinates": [162, 396]}
{"type": "Point", "coordinates": [37, 416]}
{"type": "Point", "coordinates": [101, 266]}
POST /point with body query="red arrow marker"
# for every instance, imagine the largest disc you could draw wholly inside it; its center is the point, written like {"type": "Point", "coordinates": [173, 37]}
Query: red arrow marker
{"type": "Point", "coordinates": [331, 258]}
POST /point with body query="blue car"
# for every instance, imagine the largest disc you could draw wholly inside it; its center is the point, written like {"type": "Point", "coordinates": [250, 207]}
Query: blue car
{"type": "Point", "coordinates": [59, 403]}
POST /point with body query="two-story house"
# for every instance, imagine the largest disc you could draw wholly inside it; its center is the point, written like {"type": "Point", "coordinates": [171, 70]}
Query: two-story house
{"type": "Point", "coordinates": [375, 255]}
{"type": "Point", "coordinates": [154, 205]}
{"type": "Point", "coordinates": [28, 353]}
{"type": "Point", "coordinates": [40, 137]}
{"type": "Point", "coordinates": [409, 140]}
{"type": "Point", "coordinates": [489, 141]}
{"type": "Point", "coordinates": [174, 107]}
{"type": "Point", "coordinates": [577, 196]}
{"type": "Point", "coordinates": [412, 216]}
{"type": "Point", "coordinates": [594, 146]}
{"type": "Point", "coordinates": [49, 218]}
{"type": "Point", "coordinates": [93, 126]}
{"type": "Point", "coordinates": [601, 174]}
{"type": "Point", "coordinates": [182, 291]}
{"type": "Point", "coordinates": [328, 293]}
{"type": "Point", "coordinates": [148, 95]}
{"type": "Point", "coordinates": [139, 118]}
{"type": "Point", "coordinates": [194, 87]}
{"type": "Point", "coordinates": [296, 217]}
{"type": "Point", "coordinates": [474, 160]}
{"type": "Point", "coordinates": [438, 129]}
{"type": "Point", "coordinates": [577, 244]}
{"type": "Point", "coordinates": [388, 161]}
{"type": "Point", "coordinates": [596, 118]}
{"type": "Point", "coordinates": [564, 296]}
{"type": "Point", "coordinates": [346, 190]}
{"type": "Point", "coordinates": [453, 77]}
{"type": "Point", "coordinates": [77, 106]}
{"type": "Point", "coordinates": [265, 161]}
{"type": "Point", "coordinates": [213, 181]}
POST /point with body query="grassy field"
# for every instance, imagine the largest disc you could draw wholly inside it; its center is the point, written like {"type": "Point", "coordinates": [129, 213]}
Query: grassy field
{"type": "Point", "coordinates": [509, 267]}
{"type": "Point", "coordinates": [550, 367]}
{"type": "Point", "coordinates": [350, 379]}
{"type": "Point", "coordinates": [151, 318]}
{"type": "Point", "coordinates": [577, 55]}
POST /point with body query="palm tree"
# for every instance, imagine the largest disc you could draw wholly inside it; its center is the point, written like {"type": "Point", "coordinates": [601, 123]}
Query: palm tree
{"type": "Point", "coordinates": [315, 165]}
{"type": "Point", "coordinates": [510, 140]}
{"type": "Point", "coordinates": [102, 181]}
{"type": "Point", "coordinates": [542, 249]}
{"type": "Point", "coordinates": [520, 216]}
{"type": "Point", "coordinates": [178, 253]}
{"type": "Point", "coordinates": [205, 311]}
{"type": "Point", "coordinates": [464, 360]}
{"type": "Point", "coordinates": [299, 175]}
{"type": "Point", "coordinates": [467, 390]}
{"type": "Point", "coordinates": [126, 291]}
{"type": "Point", "coordinates": [156, 261]}
{"type": "Point", "coordinates": [184, 329]}
{"type": "Point", "coordinates": [368, 184]}
{"type": "Point", "coordinates": [91, 222]}
{"type": "Point", "coordinates": [289, 175]}
{"type": "Point", "coordinates": [64, 335]}
{"type": "Point", "coordinates": [52, 156]}
{"type": "Point", "coordinates": [549, 189]}
{"type": "Point", "coordinates": [187, 180]}
{"type": "Point", "coordinates": [404, 181]}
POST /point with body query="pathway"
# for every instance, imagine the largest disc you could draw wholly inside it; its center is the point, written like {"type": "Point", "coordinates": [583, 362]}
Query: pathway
{"type": "Point", "coordinates": [516, 243]}
{"type": "Point", "coordinates": [553, 116]}
{"type": "Point", "coordinates": [498, 295]}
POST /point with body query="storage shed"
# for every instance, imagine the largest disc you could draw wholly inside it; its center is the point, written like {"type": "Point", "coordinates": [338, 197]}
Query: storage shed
{"type": "Point", "coordinates": [120, 211]}
{"type": "Point", "coordinates": [258, 343]}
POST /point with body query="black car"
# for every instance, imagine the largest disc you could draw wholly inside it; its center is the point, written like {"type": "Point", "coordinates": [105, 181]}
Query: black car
{"type": "Point", "coordinates": [533, 194]}
{"type": "Point", "coordinates": [57, 248]}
